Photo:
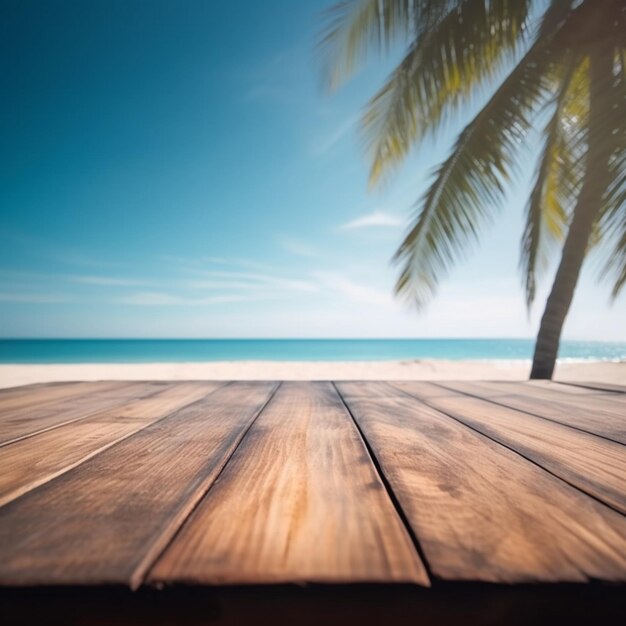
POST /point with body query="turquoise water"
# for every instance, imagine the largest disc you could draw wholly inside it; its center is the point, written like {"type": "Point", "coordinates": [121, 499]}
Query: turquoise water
{"type": "Point", "coordinates": [175, 350]}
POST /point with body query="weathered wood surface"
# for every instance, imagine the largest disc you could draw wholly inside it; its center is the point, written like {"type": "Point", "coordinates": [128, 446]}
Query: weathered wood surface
{"type": "Point", "coordinates": [617, 399]}
{"type": "Point", "coordinates": [300, 501]}
{"type": "Point", "coordinates": [607, 402]}
{"type": "Point", "coordinates": [594, 465]}
{"type": "Point", "coordinates": [480, 511]}
{"type": "Point", "coordinates": [601, 386]}
{"type": "Point", "coordinates": [107, 519]}
{"type": "Point", "coordinates": [33, 395]}
{"type": "Point", "coordinates": [578, 412]}
{"type": "Point", "coordinates": [35, 460]}
{"type": "Point", "coordinates": [584, 389]}
{"type": "Point", "coordinates": [24, 421]}
{"type": "Point", "coordinates": [143, 483]}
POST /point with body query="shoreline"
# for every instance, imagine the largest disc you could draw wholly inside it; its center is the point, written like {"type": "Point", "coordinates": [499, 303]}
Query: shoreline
{"type": "Point", "coordinates": [12, 375]}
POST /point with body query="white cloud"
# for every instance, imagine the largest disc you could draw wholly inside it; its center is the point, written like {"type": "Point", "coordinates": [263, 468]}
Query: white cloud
{"type": "Point", "coordinates": [374, 219]}
{"type": "Point", "coordinates": [46, 249]}
{"type": "Point", "coordinates": [35, 298]}
{"type": "Point", "coordinates": [272, 79]}
{"type": "Point", "coordinates": [105, 281]}
{"type": "Point", "coordinates": [328, 143]}
{"type": "Point", "coordinates": [155, 298]}
{"type": "Point", "coordinates": [221, 284]}
{"type": "Point", "coordinates": [266, 280]}
{"type": "Point", "coordinates": [353, 291]}
{"type": "Point", "coordinates": [83, 279]}
{"type": "Point", "coordinates": [198, 265]}
{"type": "Point", "coordinates": [179, 260]}
{"type": "Point", "coordinates": [299, 248]}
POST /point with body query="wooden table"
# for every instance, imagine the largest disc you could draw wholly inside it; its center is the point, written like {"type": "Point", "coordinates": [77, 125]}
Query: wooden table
{"type": "Point", "coordinates": [417, 502]}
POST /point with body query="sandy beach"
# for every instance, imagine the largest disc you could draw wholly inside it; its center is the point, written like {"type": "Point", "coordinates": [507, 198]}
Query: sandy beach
{"type": "Point", "coordinates": [12, 375]}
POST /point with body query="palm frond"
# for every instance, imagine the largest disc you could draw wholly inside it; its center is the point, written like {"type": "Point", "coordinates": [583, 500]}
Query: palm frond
{"type": "Point", "coordinates": [558, 177]}
{"type": "Point", "coordinates": [614, 225]}
{"type": "Point", "coordinates": [617, 263]}
{"type": "Point", "coordinates": [445, 64]}
{"type": "Point", "coordinates": [613, 219]}
{"type": "Point", "coordinates": [469, 184]}
{"type": "Point", "coordinates": [357, 28]}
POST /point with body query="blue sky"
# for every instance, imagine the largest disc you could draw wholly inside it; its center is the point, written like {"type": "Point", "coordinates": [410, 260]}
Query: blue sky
{"type": "Point", "coordinates": [174, 169]}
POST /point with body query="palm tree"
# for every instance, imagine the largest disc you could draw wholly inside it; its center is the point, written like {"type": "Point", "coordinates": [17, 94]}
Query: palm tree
{"type": "Point", "coordinates": [558, 63]}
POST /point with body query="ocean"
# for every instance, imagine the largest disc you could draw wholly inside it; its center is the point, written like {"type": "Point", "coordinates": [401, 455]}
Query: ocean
{"type": "Point", "coordinates": [186, 350]}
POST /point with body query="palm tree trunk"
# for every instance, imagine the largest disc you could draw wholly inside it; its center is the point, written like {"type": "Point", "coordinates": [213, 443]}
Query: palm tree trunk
{"type": "Point", "coordinates": [557, 306]}
{"type": "Point", "coordinates": [585, 214]}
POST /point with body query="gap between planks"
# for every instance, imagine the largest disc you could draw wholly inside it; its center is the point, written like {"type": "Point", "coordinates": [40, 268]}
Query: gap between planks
{"type": "Point", "coordinates": [36, 460]}
{"type": "Point", "coordinates": [308, 504]}
{"type": "Point", "coordinates": [174, 524]}
{"type": "Point", "coordinates": [481, 511]}
{"type": "Point", "coordinates": [593, 426]}
{"type": "Point", "coordinates": [55, 413]}
{"type": "Point", "coordinates": [102, 522]}
{"type": "Point", "coordinates": [396, 503]}
{"type": "Point", "coordinates": [169, 535]}
{"type": "Point", "coordinates": [591, 464]}
{"type": "Point", "coordinates": [612, 387]}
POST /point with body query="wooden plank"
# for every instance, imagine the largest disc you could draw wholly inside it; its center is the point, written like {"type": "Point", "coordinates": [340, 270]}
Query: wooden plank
{"type": "Point", "coordinates": [30, 462]}
{"type": "Point", "coordinates": [106, 520]}
{"type": "Point", "coordinates": [16, 424]}
{"type": "Point", "coordinates": [595, 465]}
{"type": "Point", "coordinates": [17, 390]}
{"type": "Point", "coordinates": [23, 392]}
{"type": "Point", "coordinates": [621, 389]}
{"type": "Point", "coordinates": [589, 398]}
{"type": "Point", "coordinates": [601, 403]}
{"type": "Point", "coordinates": [480, 511]}
{"type": "Point", "coordinates": [37, 395]}
{"type": "Point", "coordinates": [300, 501]}
{"type": "Point", "coordinates": [598, 421]}
{"type": "Point", "coordinates": [616, 399]}
{"type": "Point", "coordinates": [574, 390]}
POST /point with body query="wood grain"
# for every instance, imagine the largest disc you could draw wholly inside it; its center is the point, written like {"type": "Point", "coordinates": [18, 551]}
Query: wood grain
{"type": "Point", "coordinates": [601, 386]}
{"type": "Point", "coordinates": [580, 414]}
{"type": "Point", "coordinates": [616, 399]}
{"type": "Point", "coordinates": [601, 402]}
{"type": "Point", "coordinates": [592, 399]}
{"type": "Point", "coordinates": [480, 511]}
{"type": "Point", "coordinates": [300, 501]}
{"type": "Point", "coordinates": [40, 394]}
{"type": "Point", "coordinates": [593, 464]}
{"type": "Point", "coordinates": [24, 422]}
{"type": "Point", "coordinates": [106, 520]}
{"type": "Point", "coordinates": [29, 389]}
{"type": "Point", "coordinates": [30, 462]}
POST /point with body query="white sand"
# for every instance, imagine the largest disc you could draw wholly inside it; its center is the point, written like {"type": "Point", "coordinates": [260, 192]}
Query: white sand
{"type": "Point", "coordinates": [13, 375]}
